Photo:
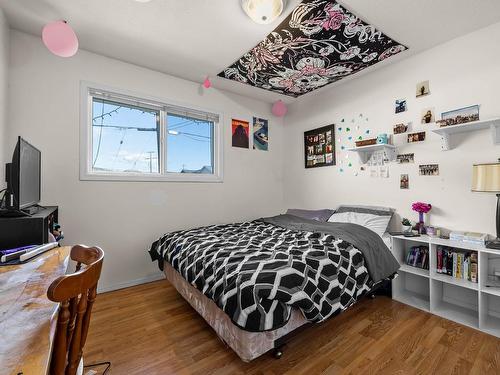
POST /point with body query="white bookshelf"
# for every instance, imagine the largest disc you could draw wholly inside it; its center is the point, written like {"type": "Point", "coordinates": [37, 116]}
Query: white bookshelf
{"type": "Point", "coordinates": [472, 304]}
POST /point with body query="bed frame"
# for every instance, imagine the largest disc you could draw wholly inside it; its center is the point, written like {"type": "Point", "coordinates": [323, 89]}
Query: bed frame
{"type": "Point", "coordinates": [383, 288]}
{"type": "Point", "coordinates": [248, 345]}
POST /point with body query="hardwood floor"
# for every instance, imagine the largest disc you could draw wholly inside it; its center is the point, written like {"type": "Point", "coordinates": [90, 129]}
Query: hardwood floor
{"type": "Point", "coordinates": [150, 329]}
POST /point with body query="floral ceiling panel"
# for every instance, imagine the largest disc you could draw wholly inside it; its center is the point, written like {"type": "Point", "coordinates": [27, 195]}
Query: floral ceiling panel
{"type": "Point", "coordinates": [319, 43]}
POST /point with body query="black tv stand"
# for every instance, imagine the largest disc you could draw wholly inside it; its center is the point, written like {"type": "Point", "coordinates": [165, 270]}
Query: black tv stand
{"type": "Point", "coordinates": [27, 229]}
{"type": "Point", "coordinates": [6, 213]}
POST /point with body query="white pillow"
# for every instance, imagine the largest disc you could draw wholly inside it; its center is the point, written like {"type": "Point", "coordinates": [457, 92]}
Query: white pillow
{"type": "Point", "coordinates": [376, 223]}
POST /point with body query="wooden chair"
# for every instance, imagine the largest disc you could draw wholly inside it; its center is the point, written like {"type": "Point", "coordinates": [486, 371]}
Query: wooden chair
{"type": "Point", "coordinates": [76, 294]}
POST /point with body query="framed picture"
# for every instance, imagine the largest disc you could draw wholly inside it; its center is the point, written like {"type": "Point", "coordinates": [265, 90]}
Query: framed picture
{"type": "Point", "coordinates": [319, 147]}
{"type": "Point", "coordinates": [460, 116]}
{"type": "Point", "coordinates": [260, 134]}
{"type": "Point", "coordinates": [240, 133]}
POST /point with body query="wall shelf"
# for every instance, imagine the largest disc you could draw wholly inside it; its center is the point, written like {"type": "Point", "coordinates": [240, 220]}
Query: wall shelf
{"type": "Point", "coordinates": [468, 303]}
{"type": "Point", "coordinates": [447, 132]}
{"type": "Point", "coordinates": [365, 152]}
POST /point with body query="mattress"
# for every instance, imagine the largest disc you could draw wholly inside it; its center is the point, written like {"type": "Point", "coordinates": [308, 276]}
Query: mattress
{"type": "Point", "coordinates": [387, 240]}
{"type": "Point", "coordinates": [247, 345]}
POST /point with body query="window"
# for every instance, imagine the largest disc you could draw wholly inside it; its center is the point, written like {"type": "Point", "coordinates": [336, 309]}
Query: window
{"type": "Point", "coordinates": [189, 145]}
{"type": "Point", "coordinates": [129, 138]}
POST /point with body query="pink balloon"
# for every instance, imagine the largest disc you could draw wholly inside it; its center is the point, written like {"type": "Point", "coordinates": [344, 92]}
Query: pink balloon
{"type": "Point", "coordinates": [279, 109]}
{"type": "Point", "coordinates": [206, 83]}
{"type": "Point", "coordinates": [60, 39]}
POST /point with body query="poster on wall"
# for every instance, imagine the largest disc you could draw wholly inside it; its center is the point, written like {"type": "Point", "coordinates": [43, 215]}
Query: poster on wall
{"type": "Point", "coordinates": [240, 130]}
{"type": "Point", "coordinates": [319, 147]}
{"type": "Point", "coordinates": [260, 134]}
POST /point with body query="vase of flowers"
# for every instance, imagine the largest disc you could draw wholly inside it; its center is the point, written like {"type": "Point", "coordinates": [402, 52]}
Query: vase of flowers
{"type": "Point", "coordinates": [422, 208]}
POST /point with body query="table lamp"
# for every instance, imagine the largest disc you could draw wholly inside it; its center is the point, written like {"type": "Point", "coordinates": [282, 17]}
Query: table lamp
{"type": "Point", "coordinates": [486, 178]}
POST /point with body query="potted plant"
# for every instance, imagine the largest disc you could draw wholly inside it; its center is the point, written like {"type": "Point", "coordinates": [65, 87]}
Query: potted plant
{"type": "Point", "coordinates": [406, 225]}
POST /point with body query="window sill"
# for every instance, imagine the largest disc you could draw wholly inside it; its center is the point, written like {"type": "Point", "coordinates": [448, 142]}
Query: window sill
{"type": "Point", "coordinates": [173, 177]}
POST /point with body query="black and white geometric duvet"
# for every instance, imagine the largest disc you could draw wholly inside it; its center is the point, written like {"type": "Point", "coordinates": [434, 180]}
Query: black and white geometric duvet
{"type": "Point", "coordinates": [256, 271]}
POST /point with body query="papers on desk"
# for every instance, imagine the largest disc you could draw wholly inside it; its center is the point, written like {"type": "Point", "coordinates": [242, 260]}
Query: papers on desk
{"type": "Point", "coordinates": [25, 253]}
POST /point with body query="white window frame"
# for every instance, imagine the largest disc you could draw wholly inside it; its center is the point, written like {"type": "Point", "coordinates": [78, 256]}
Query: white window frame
{"type": "Point", "coordinates": [87, 90]}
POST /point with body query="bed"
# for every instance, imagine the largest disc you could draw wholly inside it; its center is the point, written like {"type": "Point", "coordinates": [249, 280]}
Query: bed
{"type": "Point", "coordinates": [258, 282]}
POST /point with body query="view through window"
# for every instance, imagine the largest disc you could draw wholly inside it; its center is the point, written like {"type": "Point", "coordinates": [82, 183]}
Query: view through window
{"type": "Point", "coordinates": [130, 137]}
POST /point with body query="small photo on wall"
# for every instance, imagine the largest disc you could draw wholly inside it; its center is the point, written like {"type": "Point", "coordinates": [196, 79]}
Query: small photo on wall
{"type": "Point", "coordinates": [429, 170]}
{"type": "Point", "coordinates": [427, 116]}
{"type": "Point", "coordinates": [260, 134]}
{"type": "Point", "coordinates": [240, 133]}
{"type": "Point", "coordinates": [401, 128]}
{"type": "Point", "coordinates": [400, 105]}
{"type": "Point", "coordinates": [416, 137]}
{"type": "Point", "coordinates": [405, 158]}
{"type": "Point", "coordinates": [404, 181]}
{"type": "Point", "coordinates": [422, 89]}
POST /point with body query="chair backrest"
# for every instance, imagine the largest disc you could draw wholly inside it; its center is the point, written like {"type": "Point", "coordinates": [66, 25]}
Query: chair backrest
{"type": "Point", "coordinates": [76, 294]}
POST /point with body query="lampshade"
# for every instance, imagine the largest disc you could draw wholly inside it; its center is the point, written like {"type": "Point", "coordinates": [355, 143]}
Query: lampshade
{"type": "Point", "coordinates": [486, 177]}
{"type": "Point", "coordinates": [262, 11]}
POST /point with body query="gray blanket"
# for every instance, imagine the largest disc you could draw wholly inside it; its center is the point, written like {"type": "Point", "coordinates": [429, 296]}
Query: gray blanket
{"type": "Point", "coordinates": [379, 259]}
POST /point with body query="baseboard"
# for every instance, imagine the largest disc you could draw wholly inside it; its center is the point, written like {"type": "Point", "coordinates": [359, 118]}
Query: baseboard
{"type": "Point", "coordinates": [129, 283]}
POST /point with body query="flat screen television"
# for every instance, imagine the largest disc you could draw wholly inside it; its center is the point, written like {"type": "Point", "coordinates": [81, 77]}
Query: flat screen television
{"type": "Point", "coordinates": [23, 176]}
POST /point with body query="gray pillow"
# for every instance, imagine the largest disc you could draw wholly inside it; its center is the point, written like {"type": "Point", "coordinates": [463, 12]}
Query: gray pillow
{"type": "Point", "coordinates": [374, 210]}
{"type": "Point", "coordinates": [318, 215]}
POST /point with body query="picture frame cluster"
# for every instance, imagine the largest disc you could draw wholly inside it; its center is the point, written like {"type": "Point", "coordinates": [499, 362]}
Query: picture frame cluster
{"type": "Point", "coordinates": [320, 149]}
{"type": "Point", "coordinates": [415, 136]}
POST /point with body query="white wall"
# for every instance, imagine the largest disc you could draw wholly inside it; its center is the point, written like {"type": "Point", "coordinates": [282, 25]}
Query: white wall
{"type": "Point", "coordinates": [462, 72]}
{"type": "Point", "coordinates": [125, 217]}
{"type": "Point", "coordinates": [4, 63]}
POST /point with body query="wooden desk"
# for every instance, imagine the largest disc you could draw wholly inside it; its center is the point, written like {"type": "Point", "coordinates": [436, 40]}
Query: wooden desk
{"type": "Point", "coordinates": [27, 317]}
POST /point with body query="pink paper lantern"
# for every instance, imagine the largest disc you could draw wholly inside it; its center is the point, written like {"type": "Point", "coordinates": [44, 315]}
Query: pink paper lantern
{"type": "Point", "coordinates": [279, 109]}
{"type": "Point", "coordinates": [206, 83]}
{"type": "Point", "coordinates": [60, 39]}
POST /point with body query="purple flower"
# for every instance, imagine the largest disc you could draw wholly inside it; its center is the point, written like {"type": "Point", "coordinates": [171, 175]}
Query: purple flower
{"type": "Point", "coordinates": [421, 207]}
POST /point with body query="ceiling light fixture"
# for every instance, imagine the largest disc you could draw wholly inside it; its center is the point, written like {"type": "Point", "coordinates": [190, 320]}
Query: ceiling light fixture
{"type": "Point", "coordinates": [263, 11]}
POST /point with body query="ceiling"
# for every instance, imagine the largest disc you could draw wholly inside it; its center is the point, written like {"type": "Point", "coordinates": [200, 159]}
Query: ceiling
{"type": "Point", "coordinates": [319, 43]}
{"type": "Point", "coordinates": [194, 38]}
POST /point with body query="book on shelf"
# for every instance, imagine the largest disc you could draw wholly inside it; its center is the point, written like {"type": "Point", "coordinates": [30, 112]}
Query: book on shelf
{"type": "Point", "coordinates": [418, 257]}
{"type": "Point", "coordinates": [456, 263]}
{"type": "Point", "coordinates": [469, 237]}
{"type": "Point", "coordinates": [473, 275]}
